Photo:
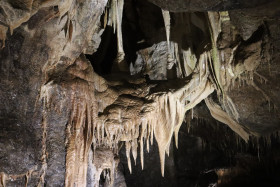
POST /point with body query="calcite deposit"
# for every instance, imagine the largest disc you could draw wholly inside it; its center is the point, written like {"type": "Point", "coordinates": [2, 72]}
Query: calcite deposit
{"type": "Point", "coordinates": [89, 87]}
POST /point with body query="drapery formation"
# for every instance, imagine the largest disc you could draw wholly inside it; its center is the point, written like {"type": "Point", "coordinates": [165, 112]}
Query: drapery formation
{"type": "Point", "coordinates": [92, 114]}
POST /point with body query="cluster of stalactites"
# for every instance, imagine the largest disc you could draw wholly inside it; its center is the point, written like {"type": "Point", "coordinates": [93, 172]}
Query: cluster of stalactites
{"type": "Point", "coordinates": [159, 118]}
{"type": "Point", "coordinates": [164, 120]}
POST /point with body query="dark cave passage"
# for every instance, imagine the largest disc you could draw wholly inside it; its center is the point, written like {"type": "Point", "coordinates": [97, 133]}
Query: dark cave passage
{"type": "Point", "coordinates": [102, 60]}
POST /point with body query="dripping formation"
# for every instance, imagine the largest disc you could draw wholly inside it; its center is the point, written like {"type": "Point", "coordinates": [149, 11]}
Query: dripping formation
{"type": "Point", "coordinates": [94, 114]}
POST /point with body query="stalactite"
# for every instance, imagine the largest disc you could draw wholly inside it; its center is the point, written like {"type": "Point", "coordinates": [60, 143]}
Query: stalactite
{"type": "Point", "coordinates": [161, 117]}
{"type": "Point", "coordinates": [143, 136]}
{"type": "Point", "coordinates": [171, 110]}
{"type": "Point", "coordinates": [80, 127]}
{"type": "Point", "coordinates": [170, 57]}
{"type": "Point", "coordinates": [131, 115]}
{"type": "Point", "coordinates": [128, 148]}
{"type": "Point", "coordinates": [116, 15]}
{"type": "Point", "coordinates": [79, 132]}
{"type": "Point", "coordinates": [223, 117]}
{"type": "Point", "coordinates": [134, 147]}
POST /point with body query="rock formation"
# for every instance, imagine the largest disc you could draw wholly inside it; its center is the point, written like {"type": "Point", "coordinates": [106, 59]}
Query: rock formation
{"type": "Point", "coordinates": [87, 85]}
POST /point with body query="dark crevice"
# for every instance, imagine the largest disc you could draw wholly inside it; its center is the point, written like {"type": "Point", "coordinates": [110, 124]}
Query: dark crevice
{"type": "Point", "coordinates": [256, 36]}
{"type": "Point", "coordinates": [102, 60]}
{"type": "Point", "coordinates": [132, 34]}
{"type": "Point", "coordinates": [102, 180]}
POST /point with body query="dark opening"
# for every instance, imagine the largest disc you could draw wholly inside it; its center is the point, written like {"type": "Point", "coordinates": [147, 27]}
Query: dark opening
{"type": "Point", "coordinates": [256, 36]}
{"type": "Point", "coordinates": [102, 60]}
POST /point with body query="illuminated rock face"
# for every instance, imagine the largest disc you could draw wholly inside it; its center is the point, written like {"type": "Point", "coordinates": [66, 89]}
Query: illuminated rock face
{"type": "Point", "coordinates": [88, 84]}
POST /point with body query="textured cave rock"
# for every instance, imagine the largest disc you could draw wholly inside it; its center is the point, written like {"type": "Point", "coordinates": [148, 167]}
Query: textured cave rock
{"type": "Point", "coordinates": [122, 92]}
{"type": "Point", "coordinates": [216, 5]}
